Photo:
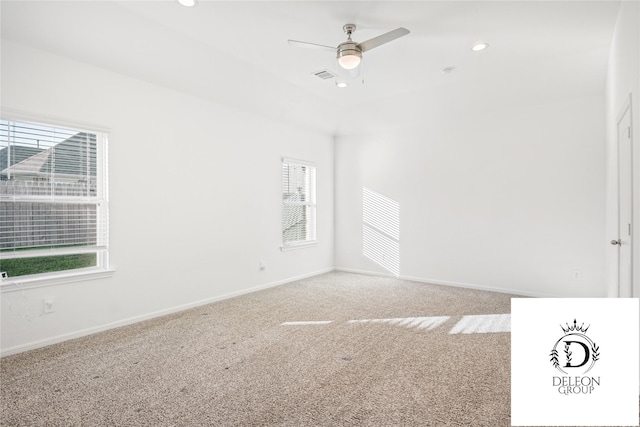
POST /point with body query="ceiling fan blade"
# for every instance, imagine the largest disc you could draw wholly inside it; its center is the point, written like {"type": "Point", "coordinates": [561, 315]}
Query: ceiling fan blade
{"type": "Point", "coordinates": [311, 45]}
{"type": "Point", "coordinates": [383, 38]}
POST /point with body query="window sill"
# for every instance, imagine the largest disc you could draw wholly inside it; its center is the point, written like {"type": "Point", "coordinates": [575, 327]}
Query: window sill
{"type": "Point", "coordinates": [52, 279]}
{"type": "Point", "coordinates": [294, 246]}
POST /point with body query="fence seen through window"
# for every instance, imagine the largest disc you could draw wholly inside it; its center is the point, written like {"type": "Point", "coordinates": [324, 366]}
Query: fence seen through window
{"type": "Point", "coordinates": [53, 198]}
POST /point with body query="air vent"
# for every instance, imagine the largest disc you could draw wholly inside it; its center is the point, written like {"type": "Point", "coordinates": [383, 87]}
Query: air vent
{"type": "Point", "coordinates": [324, 74]}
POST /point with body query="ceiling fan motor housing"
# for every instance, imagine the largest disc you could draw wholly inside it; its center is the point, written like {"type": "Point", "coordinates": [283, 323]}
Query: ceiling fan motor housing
{"type": "Point", "coordinates": [349, 48]}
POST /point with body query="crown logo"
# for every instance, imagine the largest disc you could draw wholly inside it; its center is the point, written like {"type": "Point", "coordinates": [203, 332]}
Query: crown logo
{"type": "Point", "coordinates": [575, 327]}
{"type": "Point", "coordinates": [579, 350]}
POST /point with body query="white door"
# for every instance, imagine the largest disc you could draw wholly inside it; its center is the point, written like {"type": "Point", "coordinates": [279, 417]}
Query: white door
{"type": "Point", "coordinates": [625, 203]}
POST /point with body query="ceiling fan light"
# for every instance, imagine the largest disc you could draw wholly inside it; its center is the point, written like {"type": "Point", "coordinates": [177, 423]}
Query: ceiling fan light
{"type": "Point", "coordinates": [349, 61]}
{"type": "Point", "coordinates": [349, 55]}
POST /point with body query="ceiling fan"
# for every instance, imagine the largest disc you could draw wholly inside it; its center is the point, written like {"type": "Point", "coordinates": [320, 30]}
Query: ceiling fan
{"type": "Point", "coordinates": [349, 53]}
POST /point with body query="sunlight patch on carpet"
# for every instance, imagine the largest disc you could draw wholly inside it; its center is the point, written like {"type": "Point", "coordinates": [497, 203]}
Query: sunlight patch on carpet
{"type": "Point", "coordinates": [427, 323]}
{"type": "Point", "coordinates": [482, 323]}
{"type": "Point", "coordinates": [307, 322]}
{"type": "Point", "coordinates": [470, 324]}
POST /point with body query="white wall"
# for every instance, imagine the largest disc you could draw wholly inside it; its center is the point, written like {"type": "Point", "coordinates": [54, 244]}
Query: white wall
{"type": "Point", "coordinates": [511, 199]}
{"type": "Point", "coordinates": [623, 80]}
{"type": "Point", "coordinates": [195, 198]}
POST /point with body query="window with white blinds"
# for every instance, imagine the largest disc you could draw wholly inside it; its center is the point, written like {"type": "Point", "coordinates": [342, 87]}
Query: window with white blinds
{"type": "Point", "coordinates": [53, 199]}
{"type": "Point", "coordinates": [298, 203]}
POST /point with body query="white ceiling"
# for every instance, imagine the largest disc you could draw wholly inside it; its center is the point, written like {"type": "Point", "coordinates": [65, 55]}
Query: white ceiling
{"type": "Point", "coordinates": [236, 52]}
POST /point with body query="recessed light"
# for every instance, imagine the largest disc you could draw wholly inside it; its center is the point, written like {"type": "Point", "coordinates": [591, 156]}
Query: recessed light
{"type": "Point", "coordinates": [342, 84]}
{"type": "Point", "coordinates": [479, 46]}
{"type": "Point", "coordinates": [188, 3]}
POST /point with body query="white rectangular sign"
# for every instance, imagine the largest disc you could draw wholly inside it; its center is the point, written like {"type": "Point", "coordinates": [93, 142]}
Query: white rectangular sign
{"type": "Point", "coordinates": [574, 362]}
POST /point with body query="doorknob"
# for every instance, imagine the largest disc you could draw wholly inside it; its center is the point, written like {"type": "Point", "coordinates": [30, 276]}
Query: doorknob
{"type": "Point", "coordinates": [616, 242]}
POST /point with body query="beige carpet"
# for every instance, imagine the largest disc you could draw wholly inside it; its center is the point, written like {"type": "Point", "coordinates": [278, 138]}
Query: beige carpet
{"type": "Point", "coordinates": [378, 353]}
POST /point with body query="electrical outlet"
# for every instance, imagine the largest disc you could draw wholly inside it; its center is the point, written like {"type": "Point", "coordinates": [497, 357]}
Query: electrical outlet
{"type": "Point", "coordinates": [263, 266]}
{"type": "Point", "coordinates": [49, 305]}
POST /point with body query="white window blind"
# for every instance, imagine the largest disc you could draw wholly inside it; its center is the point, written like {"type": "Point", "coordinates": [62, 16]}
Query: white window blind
{"type": "Point", "coordinates": [298, 202]}
{"type": "Point", "coordinates": [53, 192]}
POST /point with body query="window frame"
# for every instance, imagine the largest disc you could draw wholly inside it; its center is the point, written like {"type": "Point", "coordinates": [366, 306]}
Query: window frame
{"type": "Point", "coordinates": [311, 240]}
{"type": "Point", "coordinates": [102, 268]}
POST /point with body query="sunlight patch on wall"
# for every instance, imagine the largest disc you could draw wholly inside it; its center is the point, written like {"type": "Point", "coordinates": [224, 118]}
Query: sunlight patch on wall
{"type": "Point", "coordinates": [381, 230]}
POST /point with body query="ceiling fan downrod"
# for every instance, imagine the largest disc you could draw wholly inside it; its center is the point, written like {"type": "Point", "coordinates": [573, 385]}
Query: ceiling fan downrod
{"type": "Point", "coordinates": [349, 29]}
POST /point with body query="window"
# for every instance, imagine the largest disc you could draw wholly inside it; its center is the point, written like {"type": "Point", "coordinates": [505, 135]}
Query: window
{"type": "Point", "coordinates": [53, 200]}
{"type": "Point", "coordinates": [298, 203]}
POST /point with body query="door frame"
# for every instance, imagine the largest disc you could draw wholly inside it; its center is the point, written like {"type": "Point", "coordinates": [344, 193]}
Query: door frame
{"type": "Point", "coordinates": [626, 109]}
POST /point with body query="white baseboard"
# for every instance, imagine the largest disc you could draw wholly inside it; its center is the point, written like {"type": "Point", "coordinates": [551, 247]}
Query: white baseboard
{"type": "Point", "coordinates": [517, 292]}
{"type": "Point", "coordinates": [124, 322]}
{"type": "Point", "coordinates": [131, 320]}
